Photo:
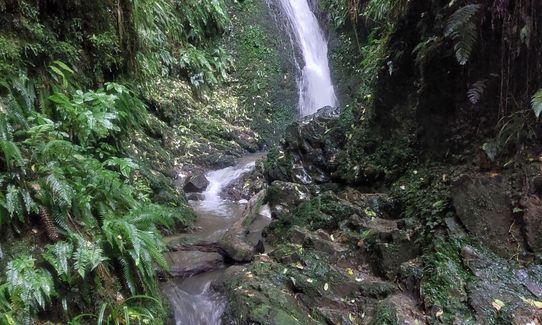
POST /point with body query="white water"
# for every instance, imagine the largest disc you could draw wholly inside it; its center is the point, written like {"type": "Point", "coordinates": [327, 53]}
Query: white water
{"type": "Point", "coordinates": [193, 300]}
{"type": "Point", "coordinates": [218, 180]}
{"type": "Point", "coordinates": [315, 85]}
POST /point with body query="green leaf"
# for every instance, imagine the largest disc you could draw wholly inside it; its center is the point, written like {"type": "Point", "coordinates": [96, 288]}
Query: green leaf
{"type": "Point", "coordinates": [536, 103]}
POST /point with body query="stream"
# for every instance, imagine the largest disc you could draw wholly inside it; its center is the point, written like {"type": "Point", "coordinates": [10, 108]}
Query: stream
{"type": "Point", "coordinates": [194, 300]}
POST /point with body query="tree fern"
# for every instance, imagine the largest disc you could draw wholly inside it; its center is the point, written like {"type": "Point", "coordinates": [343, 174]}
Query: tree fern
{"type": "Point", "coordinates": [462, 29]}
{"type": "Point", "coordinates": [536, 103]}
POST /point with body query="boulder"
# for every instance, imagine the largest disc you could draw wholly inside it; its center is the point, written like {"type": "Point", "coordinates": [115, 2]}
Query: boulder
{"type": "Point", "coordinates": [283, 196]}
{"type": "Point", "coordinates": [496, 278]}
{"type": "Point", "coordinates": [188, 263]}
{"type": "Point", "coordinates": [235, 243]}
{"type": "Point", "coordinates": [373, 204]}
{"type": "Point", "coordinates": [196, 184]}
{"type": "Point", "coordinates": [484, 208]}
{"type": "Point", "coordinates": [194, 196]}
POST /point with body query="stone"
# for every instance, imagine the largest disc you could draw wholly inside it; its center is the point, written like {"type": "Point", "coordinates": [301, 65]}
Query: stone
{"type": "Point", "coordinates": [532, 220]}
{"type": "Point", "coordinates": [188, 263]}
{"type": "Point", "coordinates": [196, 184]}
{"type": "Point", "coordinates": [235, 243]}
{"type": "Point", "coordinates": [287, 195]}
{"type": "Point", "coordinates": [387, 250]}
{"type": "Point", "coordinates": [194, 196]}
{"type": "Point", "coordinates": [485, 209]}
{"type": "Point", "coordinates": [373, 204]}
{"type": "Point", "coordinates": [399, 309]}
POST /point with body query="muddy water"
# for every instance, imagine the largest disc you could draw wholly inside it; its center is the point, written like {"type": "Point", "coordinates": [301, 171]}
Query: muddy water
{"type": "Point", "coordinates": [194, 300]}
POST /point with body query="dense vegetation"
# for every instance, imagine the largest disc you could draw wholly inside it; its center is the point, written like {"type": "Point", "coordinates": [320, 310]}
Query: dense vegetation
{"type": "Point", "coordinates": [85, 190]}
{"type": "Point", "coordinates": [100, 100]}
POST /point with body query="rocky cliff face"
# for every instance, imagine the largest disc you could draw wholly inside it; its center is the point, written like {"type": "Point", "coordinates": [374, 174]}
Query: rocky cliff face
{"type": "Point", "coordinates": [432, 248]}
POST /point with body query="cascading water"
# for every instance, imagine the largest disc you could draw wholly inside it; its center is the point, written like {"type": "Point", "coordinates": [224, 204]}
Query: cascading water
{"type": "Point", "coordinates": [315, 85]}
{"type": "Point", "coordinates": [193, 300]}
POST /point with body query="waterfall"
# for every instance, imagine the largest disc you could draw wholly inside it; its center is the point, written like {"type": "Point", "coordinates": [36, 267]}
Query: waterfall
{"type": "Point", "coordinates": [315, 86]}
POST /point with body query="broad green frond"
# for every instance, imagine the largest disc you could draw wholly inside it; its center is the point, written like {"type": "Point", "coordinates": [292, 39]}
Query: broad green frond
{"type": "Point", "coordinates": [536, 103]}
{"type": "Point", "coordinates": [462, 29]}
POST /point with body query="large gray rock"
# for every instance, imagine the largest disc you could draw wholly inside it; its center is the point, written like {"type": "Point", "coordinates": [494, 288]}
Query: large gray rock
{"type": "Point", "coordinates": [484, 207]}
{"type": "Point", "coordinates": [188, 263]}
{"type": "Point", "coordinates": [283, 196]}
{"type": "Point", "coordinates": [196, 184]}
{"type": "Point", "coordinates": [235, 243]}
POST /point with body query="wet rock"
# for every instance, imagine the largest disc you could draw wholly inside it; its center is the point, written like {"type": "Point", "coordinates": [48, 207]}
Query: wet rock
{"type": "Point", "coordinates": [196, 184]}
{"type": "Point", "coordinates": [235, 243]}
{"type": "Point", "coordinates": [497, 279]}
{"type": "Point", "coordinates": [309, 149]}
{"type": "Point", "coordinates": [194, 196]}
{"type": "Point", "coordinates": [484, 207]}
{"type": "Point", "coordinates": [283, 196]}
{"type": "Point", "coordinates": [532, 219]}
{"type": "Point", "coordinates": [410, 275]}
{"type": "Point", "coordinates": [188, 263]}
{"type": "Point", "coordinates": [219, 160]}
{"type": "Point", "coordinates": [319, 241]}
{"type": "Point", "coordinates": [258, 294]}
{"type": "Point", "coordinates": [398, 309]}
{"type": "Point", "coordinates": [246, 186]}
{"type": "Point", "coordinates": [386, 250]}
{"type": "Point", "coordinates": [373, 204]}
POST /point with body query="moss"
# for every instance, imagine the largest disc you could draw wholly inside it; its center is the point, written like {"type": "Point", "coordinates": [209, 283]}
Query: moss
{"type": "Point", "coordinates": [385, 315]}
{"type": "Point", "coordinates": [10, 56]}
{"type": "Point", "coordinates": [278, 165]}
{"type": "Point", "coordinates": [264, 60]}
{"type": "Point", "coordinates": [424, 197]}
{"type": "Point", "coordinates": [444, 285]}
{"type": "Point", "coordinates": [325, 211]}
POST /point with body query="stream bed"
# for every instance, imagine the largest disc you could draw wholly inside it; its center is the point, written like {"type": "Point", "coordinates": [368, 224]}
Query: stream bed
{"type": "Point", "coordinates": [194, 300]}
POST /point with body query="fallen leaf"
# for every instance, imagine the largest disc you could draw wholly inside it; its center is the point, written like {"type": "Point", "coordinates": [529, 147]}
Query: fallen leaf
{"type": "Point", "coordinates": [497, 304]}
{"type": "Point", "coordinates": [533, 303]}
{"type": "Point", "coordinates": [349, 271]}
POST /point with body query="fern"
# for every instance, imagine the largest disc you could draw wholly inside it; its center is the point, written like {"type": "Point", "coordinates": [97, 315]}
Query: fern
{"type": "Point", "coordinates": [461, 28]}
{"type": "Point", "coordinates": [536, 103]}
{"type": "Point", "coordinates": [58, 255]}
{"type": "Point", "coordinates": [87, 257]}
{"type": "Point", "coordinates": [34, 286]}
{"type": "Point", "coordinates": [61, 190]}
{"type": "Point", "coordinates": [476, 91]}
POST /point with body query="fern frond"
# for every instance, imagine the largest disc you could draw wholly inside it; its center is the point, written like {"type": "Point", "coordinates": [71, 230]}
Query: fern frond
{"type": "Point", "coordinates": [48, 224]}
{"type": "Point", "coordinates": [87, 257]}
{"type": "Point", "coordinates": [58, 255]}
{"type": "Point", "coordinates": [62, 191]}
{"type": "Point", "coordinates": [536, 103]}
{"type": "Point", "coordinates": [476, 91]}
{"type": "Point", "coordinates": [462, 29]}
{"type": "Point", "coordinates": [13, 202]}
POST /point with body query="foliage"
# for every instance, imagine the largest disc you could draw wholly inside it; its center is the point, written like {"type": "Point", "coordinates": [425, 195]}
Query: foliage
{"type": "Point", "coordinates": [62, 163]}
{"type": "Point", "coordinates": [536, 103]}
{"type": "Point", "coordinates": [107, 39]}
{"type": "Point", "coordinates": [424, 197]}
{"type": "Point", "coordinates": [462, 29]}
{"type": "Point", "coordinates": [445, 282]}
